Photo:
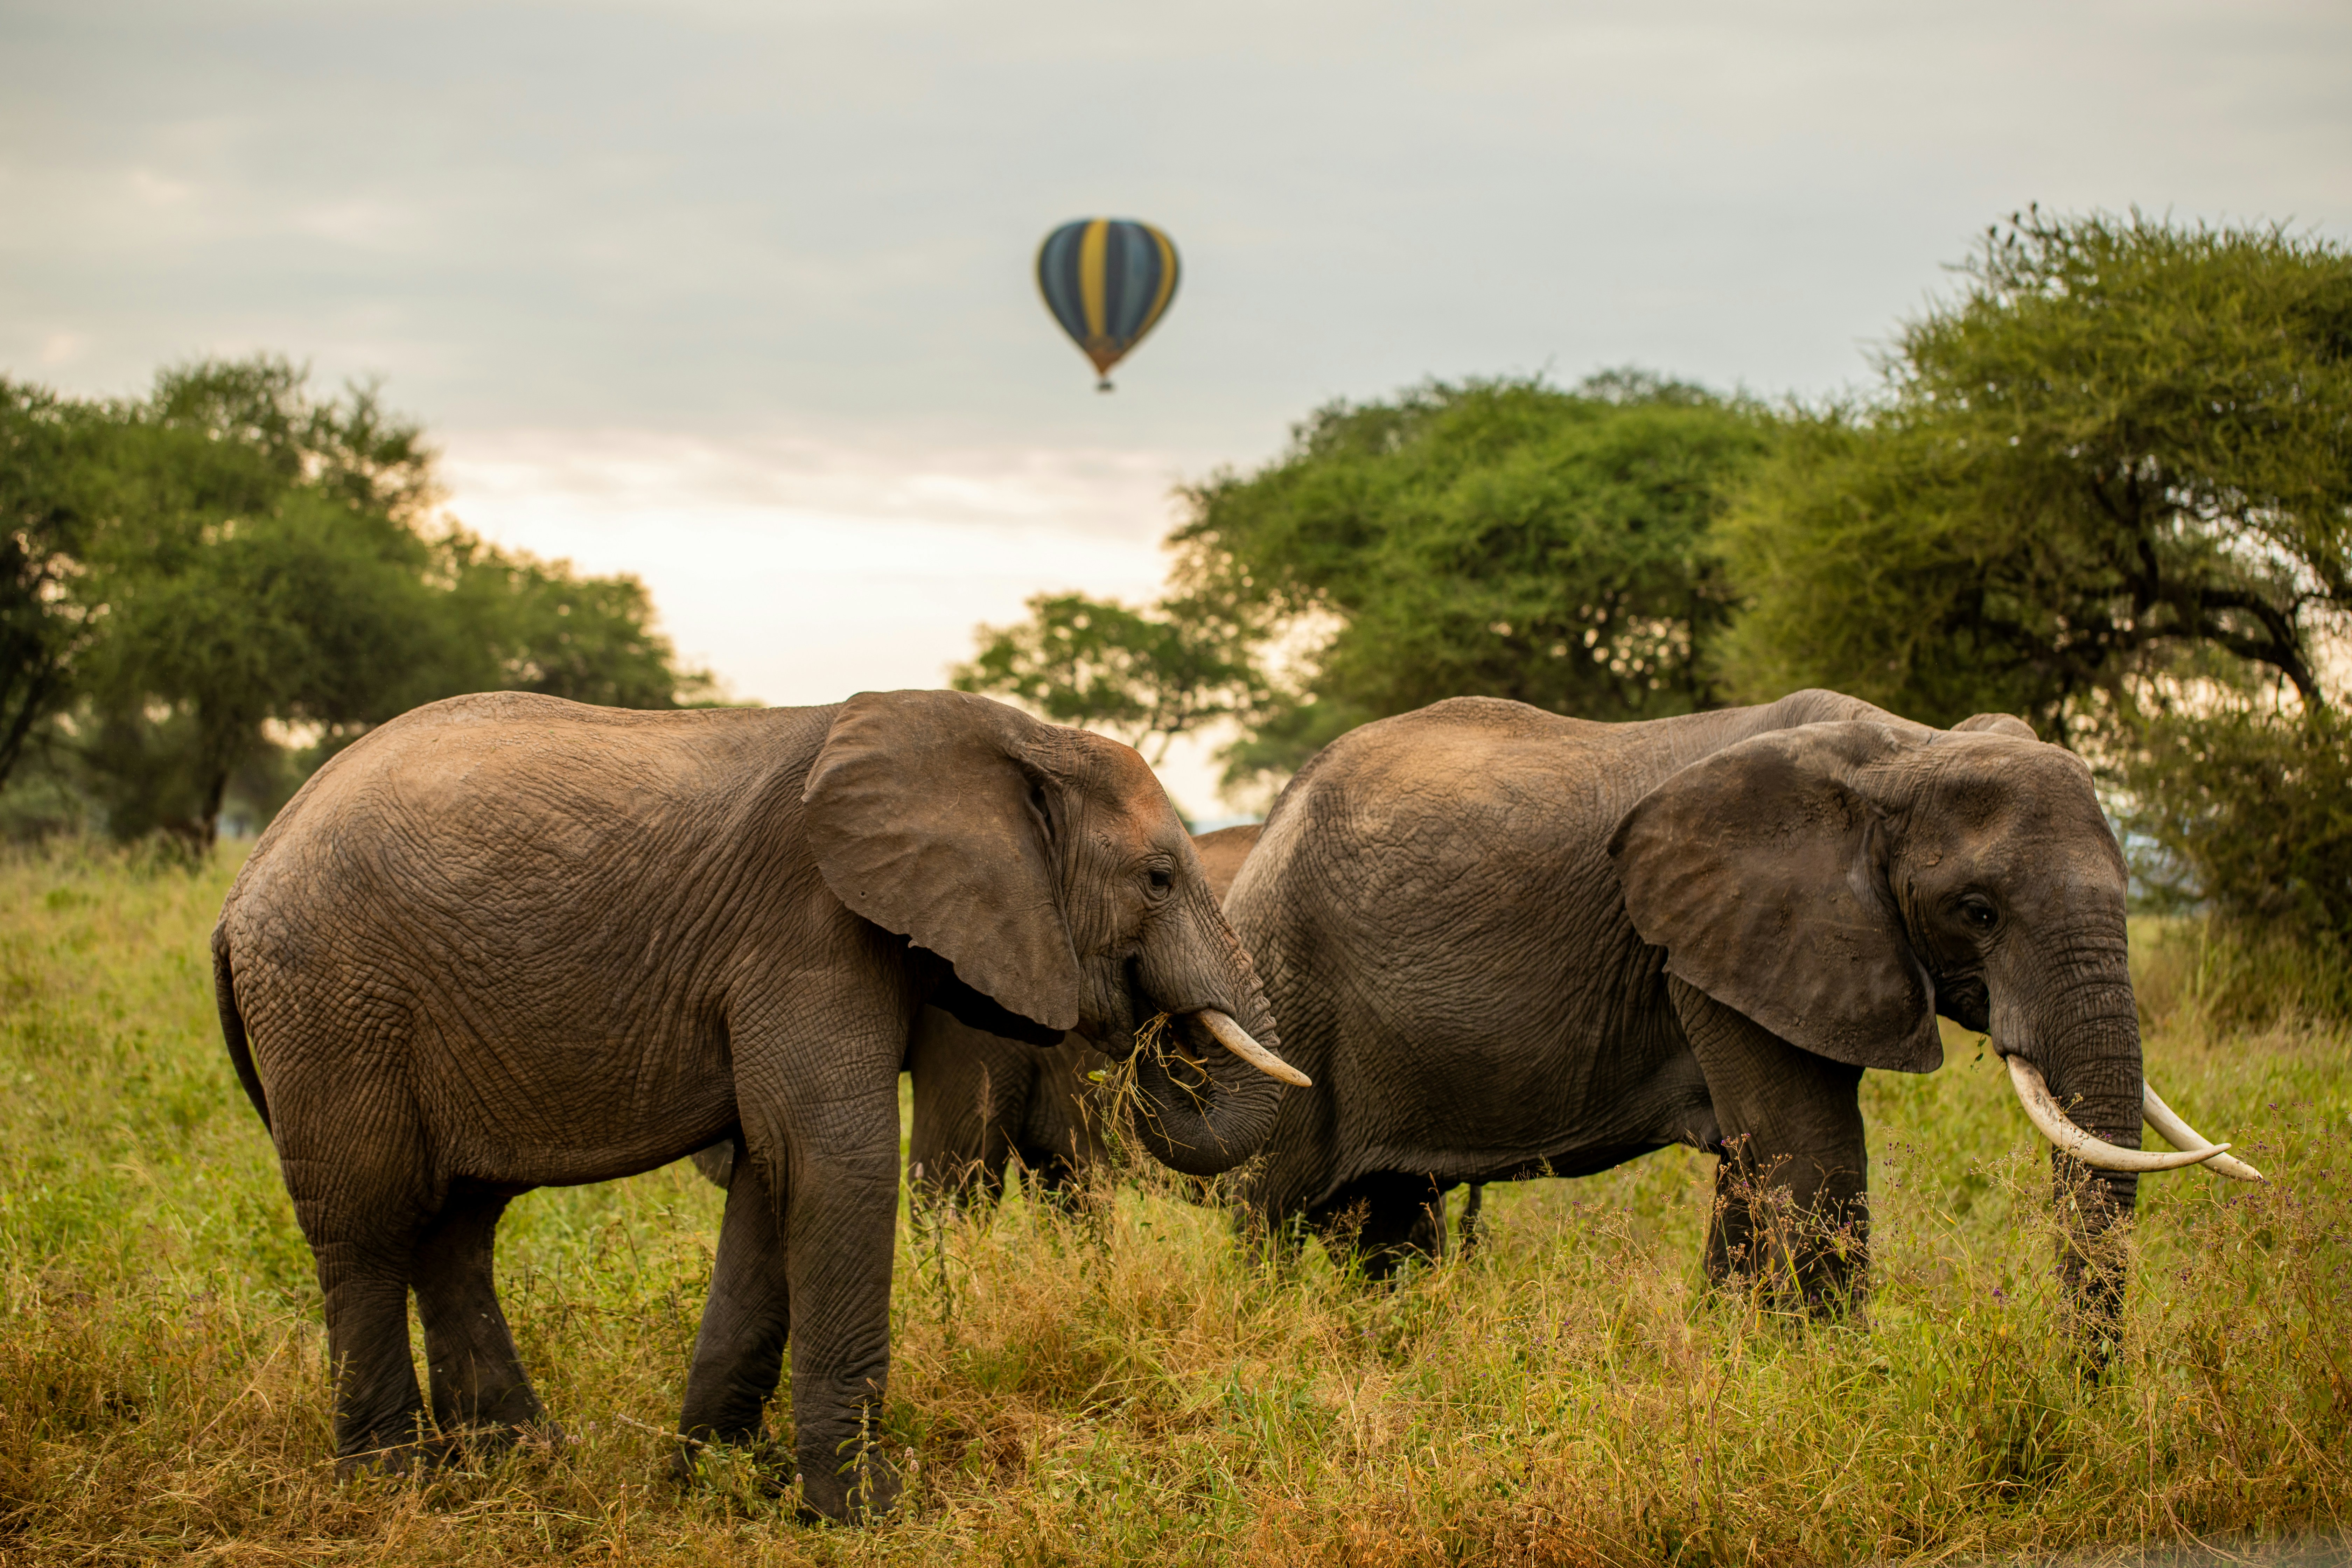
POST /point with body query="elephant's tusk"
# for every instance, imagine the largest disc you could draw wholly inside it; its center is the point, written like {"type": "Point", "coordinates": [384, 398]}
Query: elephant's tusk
{"type": "Point", "coordinates": [2180, 1135]}
{"type": "Point", "coordinates": [2033, 1094]}
{"type": "Point", "coordinates": [1236, 1039]}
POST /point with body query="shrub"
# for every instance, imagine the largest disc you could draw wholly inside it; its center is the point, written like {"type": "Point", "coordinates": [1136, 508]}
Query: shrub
{"type": "Point", "coordinates": [2250, 815]}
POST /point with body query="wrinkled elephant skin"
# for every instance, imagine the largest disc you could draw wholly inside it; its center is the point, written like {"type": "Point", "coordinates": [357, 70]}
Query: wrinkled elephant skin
{"type": "Point", "coordinates": [1506, 943]}
{"type": "Point", "coordinates": [508, 942]}
{"type": "Point", "coordinates": [982, 1101]}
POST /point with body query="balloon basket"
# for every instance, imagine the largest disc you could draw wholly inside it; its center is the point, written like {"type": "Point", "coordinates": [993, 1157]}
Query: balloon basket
{"type": "Point", "coordinates": [1105, 385]}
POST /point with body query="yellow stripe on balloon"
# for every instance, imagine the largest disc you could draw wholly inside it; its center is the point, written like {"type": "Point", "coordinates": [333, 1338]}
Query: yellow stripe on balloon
{"type": "Point", "coordinates": [1094, 276]}
{"type": "Point", "coordinates": [1167, 279]}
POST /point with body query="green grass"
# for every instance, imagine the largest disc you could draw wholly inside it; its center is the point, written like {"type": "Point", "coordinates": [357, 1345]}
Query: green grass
{"type": "Point", "coordinates": [1126, 1385]}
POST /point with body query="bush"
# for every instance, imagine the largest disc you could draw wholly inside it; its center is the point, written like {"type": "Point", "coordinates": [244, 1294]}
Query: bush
{"type": "Point", "coordinates": [2250, 815]}
{"type": "Point", "coordinates": [2121, 455]}
{"type": "Point", "coordinates": [1119, 1382]}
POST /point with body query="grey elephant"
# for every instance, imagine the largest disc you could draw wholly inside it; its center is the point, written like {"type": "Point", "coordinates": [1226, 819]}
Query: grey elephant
{"type": "Point", "coordinates": [982, 1101]}
{"type": "Point", "coordinates": [508, 942]}
{"type": "Point", "coordinates": [1506, 943]}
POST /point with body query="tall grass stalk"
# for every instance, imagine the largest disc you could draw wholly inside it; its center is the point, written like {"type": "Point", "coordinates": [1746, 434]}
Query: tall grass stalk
{"type": "Point", "coordinates": [1116, 1380]}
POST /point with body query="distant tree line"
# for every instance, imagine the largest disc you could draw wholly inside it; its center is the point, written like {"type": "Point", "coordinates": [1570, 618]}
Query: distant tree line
{"type": "Point", "coordinates": [206, 592]}
{"type": "Point", "coordinates": [2105, 484]}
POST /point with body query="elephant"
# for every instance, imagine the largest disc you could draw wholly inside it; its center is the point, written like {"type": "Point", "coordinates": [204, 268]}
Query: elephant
{"type": "Point", "coordinates": [506, 941]}
{"type": "Point", "coordinates": [982, 1099]}
{"type": "Point", "coordinates": [1507, 943]}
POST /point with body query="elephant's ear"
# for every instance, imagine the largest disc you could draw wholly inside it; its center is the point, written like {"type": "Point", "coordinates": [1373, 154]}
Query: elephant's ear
{"type": "Point", "coordinates": [931, 815]}
{"type": "Point", "coordinates": [1758, 870]}
{"type": "Point", "coordinates": [1998, 724]}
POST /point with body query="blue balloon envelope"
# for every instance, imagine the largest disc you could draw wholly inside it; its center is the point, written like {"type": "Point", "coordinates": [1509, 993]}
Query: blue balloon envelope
{"type": "Point", "coordinates": [1107, 281]}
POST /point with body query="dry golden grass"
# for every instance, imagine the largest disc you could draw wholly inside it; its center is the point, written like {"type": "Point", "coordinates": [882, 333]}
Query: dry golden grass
{"type": "Point", "coordinates": [1124, 1385]}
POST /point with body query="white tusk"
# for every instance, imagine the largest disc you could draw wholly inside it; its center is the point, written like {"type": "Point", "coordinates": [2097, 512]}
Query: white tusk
{"type": "Point", "coordinates": [2052, 1124]}
{"type": "Point", "coordinates": [1236, 1039]}
{"type": "Point", "coordinates": [2180, 1135]}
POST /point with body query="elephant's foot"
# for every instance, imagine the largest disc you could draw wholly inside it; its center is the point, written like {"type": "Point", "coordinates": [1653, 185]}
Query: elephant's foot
{"type": "Point", "coordinates": [411, 1456]}
{"type": "Point", "coordinates": [1383, 1221]}
{"type": "Point", "coordinates": [753, 1462]}
{"type": "Point", "coordinates": [856, 1488]}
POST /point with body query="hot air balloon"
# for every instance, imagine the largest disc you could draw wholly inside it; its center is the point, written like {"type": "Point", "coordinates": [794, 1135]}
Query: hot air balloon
{"type": "Point", "coordinates": [1107, 280]}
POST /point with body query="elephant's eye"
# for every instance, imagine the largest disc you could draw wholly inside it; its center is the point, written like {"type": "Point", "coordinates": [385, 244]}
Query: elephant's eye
{"type": "Point", "coordinates": [1161, 879]}
{"type": "Point", "coordinates": [1978, 913]}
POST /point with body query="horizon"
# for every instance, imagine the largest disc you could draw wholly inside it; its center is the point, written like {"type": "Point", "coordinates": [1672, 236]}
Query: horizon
{"type": "Point", "coordinates": [741, 301]}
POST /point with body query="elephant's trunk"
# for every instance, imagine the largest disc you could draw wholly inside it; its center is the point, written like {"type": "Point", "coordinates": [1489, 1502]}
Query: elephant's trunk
{"type": "Point", "coordinates": [1203, 1109]}
{"type": "Point", "coordinates": [1208, 1081]}
{"type": "Point", "coordinates": [2091, 1060]}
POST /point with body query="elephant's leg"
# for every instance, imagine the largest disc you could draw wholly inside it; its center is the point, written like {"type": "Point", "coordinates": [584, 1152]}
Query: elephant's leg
{"type": "Point", "coordinates": [1792, 1188]}
{"type": "Point", "coordinates": [378, 1410]}
{"type": "Point", "coordinates": [841, 1213]}
{"type": "Point", "coordinates": [739, 1353]}
{"type": "Point", "coordinates": [971, 1088]}
{"type": "Point", "coordinates": [1386, 1218]}
{"type": "Point", "coordinates": [1469, 1221]}
{"type": "Point", "coordinates": [1061, 1135]}
{"type": "Point", "coordinates": [361, 1221]}
{"type": "Point", "coordinates": [816, 1084]}
{"type": "Point", "coordinates": [475, 1373]}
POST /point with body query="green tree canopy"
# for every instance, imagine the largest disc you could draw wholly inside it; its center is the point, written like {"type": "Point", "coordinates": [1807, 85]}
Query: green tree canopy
{"type": "Point", "coordinates": [44, 525]}
{"type": "Point", "coordinates": [1507, 538]}
{"type": "Point", "coordinates": [232, 558]}
{"type": "Point", "coordinates": [2122, 455]}
{"type": "Point", "coordinates": [1144, 678]}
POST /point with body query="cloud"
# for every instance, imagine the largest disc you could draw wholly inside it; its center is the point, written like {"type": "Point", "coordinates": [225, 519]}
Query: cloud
{"type": "Point", "coordinates": [737, 293]}
{"type": "Point", "coordinates": [715, 214]}
{"type": "Point", "coordinates": [805, 571]}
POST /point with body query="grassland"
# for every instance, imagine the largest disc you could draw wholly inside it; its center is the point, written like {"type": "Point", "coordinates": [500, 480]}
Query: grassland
{"type": "Point", "coordinates": [1125, 1386]}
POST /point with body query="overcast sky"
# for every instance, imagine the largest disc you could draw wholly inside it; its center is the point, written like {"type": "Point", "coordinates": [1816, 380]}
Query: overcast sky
{"type": "Point", "coordinates": [738, 296]}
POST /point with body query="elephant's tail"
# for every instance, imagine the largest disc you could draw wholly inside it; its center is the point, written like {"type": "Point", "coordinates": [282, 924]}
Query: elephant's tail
{"type": "Point", "coordinates": [240, 1053]}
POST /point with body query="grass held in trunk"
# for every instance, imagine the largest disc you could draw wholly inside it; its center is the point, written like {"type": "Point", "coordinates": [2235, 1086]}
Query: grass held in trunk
{"type": "Point", "coordinates": [1117, 1380]}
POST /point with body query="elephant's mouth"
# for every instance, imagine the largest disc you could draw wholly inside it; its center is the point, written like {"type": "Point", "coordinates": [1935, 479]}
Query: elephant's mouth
{"type": "Point", "coordinates": [1203, 1090]}
{"type": "Point", "coordinates": [1151, 1024]}
{"type": "Point", "coordinates": [1966, 1001]}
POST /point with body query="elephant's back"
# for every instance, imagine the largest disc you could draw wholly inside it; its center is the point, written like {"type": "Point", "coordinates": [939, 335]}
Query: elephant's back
{"type": "Point", "coordinates": [473, 767]}
{"type": "Point", "coordinates": [1408, 801]}
{"type": "Point", "coordinates": [507, 815]}
{"type": "Point", "coordinates": [1433, 910]}
{"type": "Point", "coordinates": [1222, 854]}
{"type": "Point", "coordinates": [1486, 765]}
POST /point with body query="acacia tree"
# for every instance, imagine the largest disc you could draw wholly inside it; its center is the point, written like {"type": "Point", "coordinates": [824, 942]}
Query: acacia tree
{"type": "Point", "coordinates": [43, 527]}
{"type": "Point", "coordinates": [233, 551]}
{"type": "Point", "coordinates": [1501, 538]}
{"type": "Point", "coordinates": [1506, 538]}
{"type": "Point", "coordinates": [1144, 676]}
{"type": "Point", "coordinates": [2121, 456]}
{"type": "Point", "coordinates": [255, 557]}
